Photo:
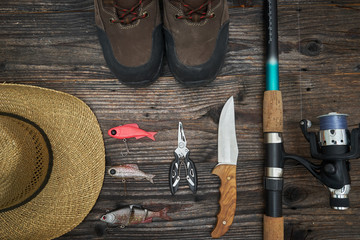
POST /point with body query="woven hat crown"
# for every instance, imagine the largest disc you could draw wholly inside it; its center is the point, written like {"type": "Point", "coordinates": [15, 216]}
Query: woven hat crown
{"type": "Point", "coordinates": [26, 160]}
{"type": "Point", "coordinates": [52, 162]}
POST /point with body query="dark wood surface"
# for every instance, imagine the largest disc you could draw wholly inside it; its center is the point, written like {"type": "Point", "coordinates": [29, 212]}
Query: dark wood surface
{"type": "Point", "coordinates": [53, 44]}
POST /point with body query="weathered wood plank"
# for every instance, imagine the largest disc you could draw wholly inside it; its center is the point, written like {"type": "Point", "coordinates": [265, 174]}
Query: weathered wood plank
{"type": "Point", "coordinates": [36, 41]}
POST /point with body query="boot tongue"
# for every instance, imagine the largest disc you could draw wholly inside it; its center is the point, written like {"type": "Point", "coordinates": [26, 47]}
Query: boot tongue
{"type": "Point", "coordinates": [196, 17]}
{"type": "Point", "coordinates": [126, 3]}
{"type": "Point", "coordinates": [194, 3]}
{"type": "Point", "coordinates": [122, 4]}
{"type": "Point", "coordinates": [197, 3]}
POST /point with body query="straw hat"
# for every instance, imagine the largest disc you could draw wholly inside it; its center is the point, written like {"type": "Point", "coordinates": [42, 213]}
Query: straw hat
{"type": "Point", "coordinates": [52, 162]}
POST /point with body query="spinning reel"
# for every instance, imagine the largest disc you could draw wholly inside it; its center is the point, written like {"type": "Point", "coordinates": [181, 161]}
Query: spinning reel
{"type": "Point", "coordinates": [335, 146]}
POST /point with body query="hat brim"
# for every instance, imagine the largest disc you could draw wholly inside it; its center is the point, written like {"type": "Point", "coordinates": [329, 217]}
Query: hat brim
{"type": "Point", "coordinates": [78, 162]}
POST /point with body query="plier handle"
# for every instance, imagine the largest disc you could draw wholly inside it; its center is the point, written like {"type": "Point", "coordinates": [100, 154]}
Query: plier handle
{"type": "Point", "coordinates": [182, 154]}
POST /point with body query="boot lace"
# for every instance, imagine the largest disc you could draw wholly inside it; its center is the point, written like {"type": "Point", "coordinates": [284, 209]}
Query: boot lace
{"type": "Point", "coordinates": [128, 16]}
{"type": "Point", "coordinates": [196, 14]}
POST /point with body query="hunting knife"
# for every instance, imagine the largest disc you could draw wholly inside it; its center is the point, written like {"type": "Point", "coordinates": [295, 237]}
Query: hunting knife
{"type": "Point", "coordinates": [226, 169]}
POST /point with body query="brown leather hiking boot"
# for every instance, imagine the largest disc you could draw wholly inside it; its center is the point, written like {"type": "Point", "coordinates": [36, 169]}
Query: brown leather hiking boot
{"type": "Point", "coordinates": [130, 33]}
{"type": "Point", "coordinates": [196, 36]}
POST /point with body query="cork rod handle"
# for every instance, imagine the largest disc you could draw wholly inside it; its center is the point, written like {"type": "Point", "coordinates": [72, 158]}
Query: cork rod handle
{"type": "Point", "coordinates": [273, 228]}
{"type": "Point", "coordinates": [272, 112]}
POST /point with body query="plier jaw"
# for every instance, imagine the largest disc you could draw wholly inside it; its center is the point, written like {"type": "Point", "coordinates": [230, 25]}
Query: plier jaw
{"type": "Point", "coordinates": [182, 154]}
{"type": "Point", "coordinates": [181, 150]}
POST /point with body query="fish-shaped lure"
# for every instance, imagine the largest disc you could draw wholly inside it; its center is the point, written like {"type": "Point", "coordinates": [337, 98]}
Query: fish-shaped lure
{"type": "Point", "coordinates": [133, 215]}
{"type": "Point", "coordinates": [131, 130]}
{"type": "Point", "coordinates": [129, 171]}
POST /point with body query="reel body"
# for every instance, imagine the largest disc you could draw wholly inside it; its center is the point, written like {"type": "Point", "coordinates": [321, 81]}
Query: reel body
{"type": "Point", "coordinates": [335, 146]}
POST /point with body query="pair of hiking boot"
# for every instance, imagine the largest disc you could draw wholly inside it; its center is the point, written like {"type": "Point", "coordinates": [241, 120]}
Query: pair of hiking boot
{"type": "Point", "coordinates": [134, 34]}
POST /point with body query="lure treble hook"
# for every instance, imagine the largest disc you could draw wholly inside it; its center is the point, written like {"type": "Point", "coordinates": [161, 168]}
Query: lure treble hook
{"type": "Point", "coordinates": [126, 147]}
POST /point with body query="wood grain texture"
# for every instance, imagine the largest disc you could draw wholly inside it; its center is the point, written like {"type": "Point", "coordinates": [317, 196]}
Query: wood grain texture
{"type": "Point", "coordinates": [227, 202]}
{"type": "Point", "coordinates": [273, 228]}
{"type": "Point", "coordinates": [272, 112]}
{"type": "Point", "coordinates": [53, 44]}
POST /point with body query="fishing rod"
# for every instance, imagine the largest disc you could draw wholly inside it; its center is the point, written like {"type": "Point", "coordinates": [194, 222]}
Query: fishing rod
{"type": "Point", "coordinates": [333, 144]}
{"type": "Point", "coordinates": [273, 128]}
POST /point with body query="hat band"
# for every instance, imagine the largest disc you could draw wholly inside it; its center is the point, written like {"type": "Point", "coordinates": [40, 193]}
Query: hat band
{"type": "Point", "coordinates": [50, 162]}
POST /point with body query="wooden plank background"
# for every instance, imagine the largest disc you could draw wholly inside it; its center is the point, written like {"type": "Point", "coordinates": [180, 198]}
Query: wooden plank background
{"type": "Point", "coordinates": [53, 44]}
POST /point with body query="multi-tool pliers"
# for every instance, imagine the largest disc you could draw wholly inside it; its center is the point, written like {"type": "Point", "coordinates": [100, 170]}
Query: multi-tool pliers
{"type": "Point", "coordinates": [182, 158]}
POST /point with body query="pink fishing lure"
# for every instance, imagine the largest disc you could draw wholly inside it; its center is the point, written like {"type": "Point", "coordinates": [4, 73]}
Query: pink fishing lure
{"type": "Point", "coordinates": [131, 130]}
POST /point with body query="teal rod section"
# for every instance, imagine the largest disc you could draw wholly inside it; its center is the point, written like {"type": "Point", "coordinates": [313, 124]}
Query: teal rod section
{"type": "Point", "coordinates": [272, 75]}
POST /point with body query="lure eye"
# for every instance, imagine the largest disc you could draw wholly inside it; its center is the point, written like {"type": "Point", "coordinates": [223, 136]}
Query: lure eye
{"type": "Point", "coordinates": [113, 132]}
{"type": "Point", "coordinates": [104, 218]}
{"type": "Point", "coordinates": [112, 171]}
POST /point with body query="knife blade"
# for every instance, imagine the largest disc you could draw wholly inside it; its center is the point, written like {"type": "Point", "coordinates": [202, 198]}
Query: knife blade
{"type": "Point", "coordinates": [226, 169]}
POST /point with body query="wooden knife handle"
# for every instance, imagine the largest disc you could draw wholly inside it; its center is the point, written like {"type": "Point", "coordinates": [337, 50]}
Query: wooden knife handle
{"type": "Point", "coordinates": [273, 228]}
{"type": "Point", "coordinates": [225, 217]}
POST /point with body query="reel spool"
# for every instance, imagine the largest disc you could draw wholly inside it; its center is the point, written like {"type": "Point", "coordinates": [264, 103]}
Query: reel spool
{"type": "Point", "coordinates": [333, 132]}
